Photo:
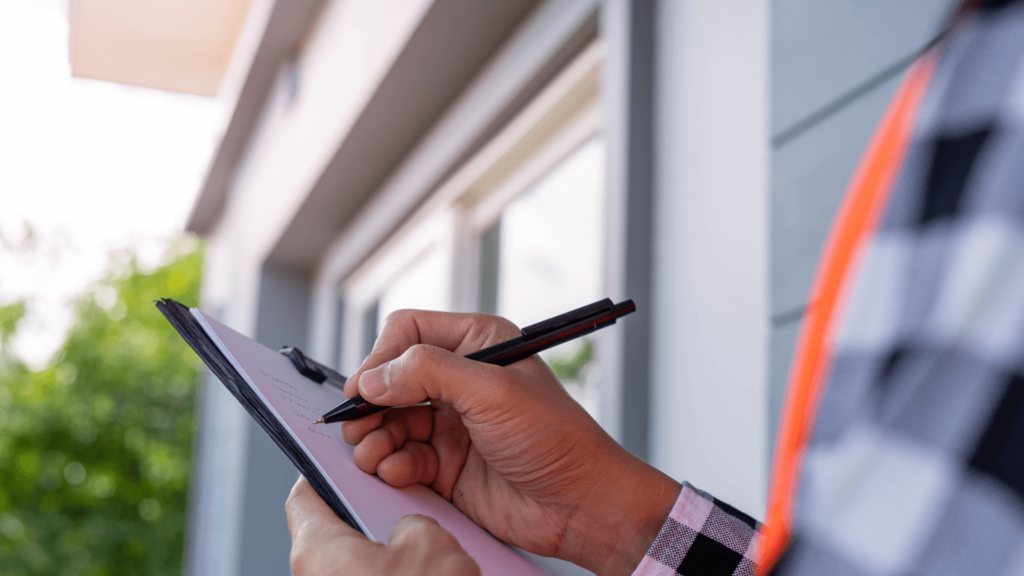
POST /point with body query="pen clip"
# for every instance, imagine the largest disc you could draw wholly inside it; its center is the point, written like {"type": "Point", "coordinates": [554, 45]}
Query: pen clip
{"type": "Point", "coordinates": [552, 324]}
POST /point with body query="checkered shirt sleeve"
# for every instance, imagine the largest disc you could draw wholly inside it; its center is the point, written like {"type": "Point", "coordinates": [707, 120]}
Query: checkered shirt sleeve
{"type": "Point", "coordinates": [704, 536]}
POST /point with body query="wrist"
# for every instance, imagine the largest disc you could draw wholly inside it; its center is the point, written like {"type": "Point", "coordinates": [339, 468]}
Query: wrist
{"type": "Point", "coordinates": [612, 530]}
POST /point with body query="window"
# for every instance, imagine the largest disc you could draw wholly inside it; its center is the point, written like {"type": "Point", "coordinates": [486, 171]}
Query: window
{"type": "Point", "coordinates": [518, 230]}
{"type": "Point", "coordinates": [546, 255]}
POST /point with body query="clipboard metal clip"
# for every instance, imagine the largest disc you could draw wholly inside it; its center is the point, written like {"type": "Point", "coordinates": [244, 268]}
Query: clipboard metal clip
{"type": "Point", "coordinates": [312, 369]}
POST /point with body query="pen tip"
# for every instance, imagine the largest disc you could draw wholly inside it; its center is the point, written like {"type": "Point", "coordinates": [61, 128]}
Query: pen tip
{"type": "Point", "coordinates": [320, 421]}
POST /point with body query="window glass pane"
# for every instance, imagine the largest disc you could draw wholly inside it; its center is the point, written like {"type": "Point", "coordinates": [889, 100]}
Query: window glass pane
{"type": "Point", "coordinates": [550, 258]}
{"type": "Point", "coordinates": [423, 285]}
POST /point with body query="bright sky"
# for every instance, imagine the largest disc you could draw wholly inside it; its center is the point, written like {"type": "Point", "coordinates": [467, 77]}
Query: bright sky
{"type": "Point", "coordinates": [91, 167]}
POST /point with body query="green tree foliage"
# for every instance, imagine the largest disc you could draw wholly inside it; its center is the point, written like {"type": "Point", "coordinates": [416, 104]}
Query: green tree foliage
{"type": "Point", "coordinates": [95, 447]}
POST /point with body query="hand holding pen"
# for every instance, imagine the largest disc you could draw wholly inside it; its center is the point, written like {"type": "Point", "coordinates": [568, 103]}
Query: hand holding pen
{"type": "Point", "coordinates": [506, 445]}
{"type": "Point", "coordinates": [533, 339]}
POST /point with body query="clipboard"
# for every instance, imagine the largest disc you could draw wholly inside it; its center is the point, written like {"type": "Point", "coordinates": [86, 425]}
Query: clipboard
{"type": "Point", "coordinates": [284, 399]}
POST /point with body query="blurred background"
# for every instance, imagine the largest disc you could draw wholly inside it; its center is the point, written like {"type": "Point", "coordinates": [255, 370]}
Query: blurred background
{"type": "Point", "coordinates": [301, 168]}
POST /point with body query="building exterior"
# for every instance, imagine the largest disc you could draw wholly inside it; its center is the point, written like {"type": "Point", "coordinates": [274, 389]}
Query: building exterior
{"type": "Point", "coordinates": [525, 157]}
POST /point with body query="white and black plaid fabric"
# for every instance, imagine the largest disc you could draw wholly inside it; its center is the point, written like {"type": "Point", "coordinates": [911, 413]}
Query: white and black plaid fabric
{"type": "Point", "coordinates": [916, 464]}
{"type": "Point", "coordinates": [704, 535]}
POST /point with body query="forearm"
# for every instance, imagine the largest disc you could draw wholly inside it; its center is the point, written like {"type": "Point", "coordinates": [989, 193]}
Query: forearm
{"type": "Point", "coordinates": [611, 532]}
{"type": "Point", "coordinates": [636, 520]}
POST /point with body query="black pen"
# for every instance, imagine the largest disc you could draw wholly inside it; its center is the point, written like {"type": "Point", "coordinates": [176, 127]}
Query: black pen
{"type": "Point", "coordinates": [535, 338]}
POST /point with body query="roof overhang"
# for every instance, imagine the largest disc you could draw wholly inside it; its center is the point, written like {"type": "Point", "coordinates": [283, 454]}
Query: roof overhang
{"type": "Point", "coordinates": [178, 45]}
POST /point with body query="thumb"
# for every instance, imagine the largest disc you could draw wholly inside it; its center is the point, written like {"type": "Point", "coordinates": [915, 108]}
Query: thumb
{"type": "Point", "coordinates": [427, 372]}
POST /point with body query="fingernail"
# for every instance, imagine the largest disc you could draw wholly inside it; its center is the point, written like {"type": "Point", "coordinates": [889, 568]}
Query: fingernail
{"type": "Point", "coordinates": [374, 383]}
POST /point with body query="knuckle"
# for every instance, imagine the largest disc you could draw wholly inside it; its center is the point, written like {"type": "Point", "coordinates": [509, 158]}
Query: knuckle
{"type": "Point", "coordinates": [416, 460]}
{"type": "Point", "coordinates": [422, 524]}
{"type": "Point", "coordinates": [379, 440]}
{"type": "Point", "coordinates": [396, 328]}
{"type": "Point", "coordinates": [395, 437]}
{"type": "Point", "coordinates": [367, 455]}
{"type": "Point", "coordinates": [397, 318]}
{"type": "Point", "coordinates": [421, 357]}
{"type": "Point", "coordinates": [505, 326]}
{"type": "Point", "coordinates": [350, 433]}
{"type": "Point", "coordinates": [355, 431]}
{"type": "Point", "coordinates": [418, 529]}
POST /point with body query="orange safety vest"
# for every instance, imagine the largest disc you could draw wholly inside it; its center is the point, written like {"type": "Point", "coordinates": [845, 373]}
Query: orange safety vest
{"type": "Point", "coordinates": [855, 222]}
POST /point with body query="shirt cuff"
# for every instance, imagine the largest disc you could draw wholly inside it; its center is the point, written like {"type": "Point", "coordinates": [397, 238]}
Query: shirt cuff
{"type": "Point", "coordinates": [704, 536]}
